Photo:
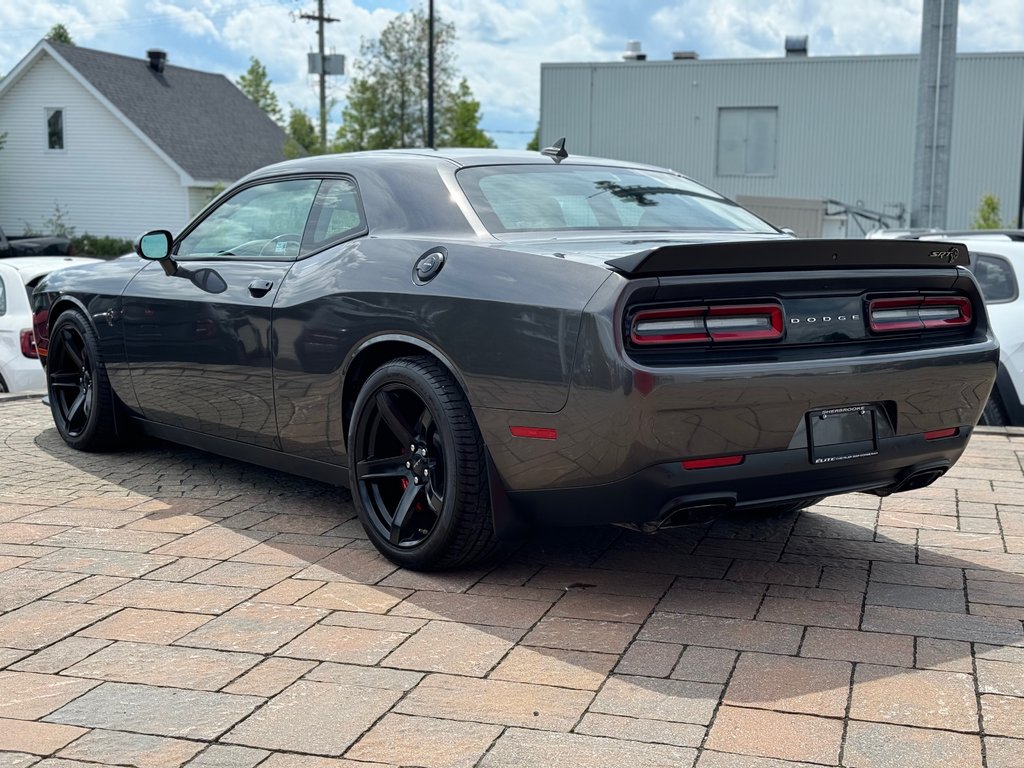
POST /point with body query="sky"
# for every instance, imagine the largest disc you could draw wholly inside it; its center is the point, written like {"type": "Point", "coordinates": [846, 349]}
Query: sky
{"type": "Point", "coordinates": [501, 43]}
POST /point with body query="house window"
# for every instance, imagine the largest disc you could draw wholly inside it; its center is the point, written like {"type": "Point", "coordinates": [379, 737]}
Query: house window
{"type": "Point", "coordinates": [747, 141]}
{"type": "Point", "coordinates": [54, 128]}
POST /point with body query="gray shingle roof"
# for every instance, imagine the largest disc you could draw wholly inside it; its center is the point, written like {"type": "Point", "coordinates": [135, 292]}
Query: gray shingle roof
{"type": "Point", "coordinates": [200, 119]}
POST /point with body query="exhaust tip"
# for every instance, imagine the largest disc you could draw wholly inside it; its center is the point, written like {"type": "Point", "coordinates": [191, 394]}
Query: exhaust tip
{"type": "Point", "coordinates": [915, 479]}
{"type": "Point", "coordinates": [678, 513]}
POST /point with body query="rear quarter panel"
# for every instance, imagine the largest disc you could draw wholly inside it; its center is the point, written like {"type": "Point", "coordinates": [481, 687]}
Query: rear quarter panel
{"type": "Point", "coordinates": [508, 324]}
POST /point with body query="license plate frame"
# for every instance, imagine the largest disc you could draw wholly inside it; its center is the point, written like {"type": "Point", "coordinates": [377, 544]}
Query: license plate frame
{"type": "Point", "coordinates": [842, 433]}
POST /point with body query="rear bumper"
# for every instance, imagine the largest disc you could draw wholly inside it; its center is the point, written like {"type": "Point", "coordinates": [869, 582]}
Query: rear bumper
{"type": "Point", "coordinates": [656, 493]}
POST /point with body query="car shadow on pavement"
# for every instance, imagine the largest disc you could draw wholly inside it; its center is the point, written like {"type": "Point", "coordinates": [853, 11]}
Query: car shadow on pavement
{"type": "Point", "coordinates": [857, 608]}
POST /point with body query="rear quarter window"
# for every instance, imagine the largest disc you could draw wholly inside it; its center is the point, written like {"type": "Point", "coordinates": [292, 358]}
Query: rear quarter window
{"type": "Point", "coordinates": [996, 277]}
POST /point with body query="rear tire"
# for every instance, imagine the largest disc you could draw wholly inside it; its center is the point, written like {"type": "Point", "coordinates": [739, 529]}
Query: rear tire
{"type": "Point", "coordinates": [994, 414]}
{"type": "Point", "coordinates": [418, 469]}
{"type": "Point", "coordinates": [81, 399]}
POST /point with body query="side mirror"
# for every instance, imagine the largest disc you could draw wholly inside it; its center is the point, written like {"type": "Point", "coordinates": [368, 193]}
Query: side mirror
{"type": "Point", "coordinates": [154, 245]}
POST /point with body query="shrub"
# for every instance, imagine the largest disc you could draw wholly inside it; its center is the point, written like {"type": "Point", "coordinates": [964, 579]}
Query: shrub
{"type": "Point", "coordinates": [102, 247]}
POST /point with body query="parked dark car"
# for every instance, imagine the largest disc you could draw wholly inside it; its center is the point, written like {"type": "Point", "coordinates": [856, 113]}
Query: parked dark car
{"type": "Point", "coordinates": [469, 339]}
{"type": "Point", "coordinates": [34, 245]}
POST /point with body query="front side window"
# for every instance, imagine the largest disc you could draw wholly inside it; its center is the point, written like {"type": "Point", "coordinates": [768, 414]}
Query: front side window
{"type": "Point", "coordinates": [747, 140]}
{"type": "Point", "coordinates": [262, 222]}
{"type": "Point", "coordinates": [530, 198]}
{"type": "Point", "coordinates": [54, 128]}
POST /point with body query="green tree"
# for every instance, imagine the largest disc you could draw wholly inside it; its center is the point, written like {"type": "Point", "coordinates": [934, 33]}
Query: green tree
{"type": "Point", "coordinates": [303, 136]}
{"type": "Point", "coordinates": [461, 121]}
{"type": "Point", "coordinates": [988, 216]}
{"type": "Point", "coordinates": [59, 34]}
{"type": "Point", "coordinates": [387, 100]}
{"type": "Point", "coordinates": [534, 144]}
{"type": "Point", "coordinates": [257, 86]}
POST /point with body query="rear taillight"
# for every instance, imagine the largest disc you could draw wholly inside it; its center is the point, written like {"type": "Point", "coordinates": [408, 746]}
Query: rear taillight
{"type": "Point", "coordinates": [687, 325]}
{"type": "Point", "coordinates": [918, 313]}
{"type": "Point", "coordinates": [28, 344]}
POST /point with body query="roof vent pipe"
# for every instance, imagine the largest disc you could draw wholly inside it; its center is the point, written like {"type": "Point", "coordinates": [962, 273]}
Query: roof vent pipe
{"type": "Point", "coordinates": [634, 51]}
{"type": "Point", "coordinates": [157, 59]}
{"type": "Point", "coordinates": [796, 45]}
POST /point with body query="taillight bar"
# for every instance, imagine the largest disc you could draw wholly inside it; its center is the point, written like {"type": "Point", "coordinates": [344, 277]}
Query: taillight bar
{"type": "Point", "coordinates": [918, 313]}
{"type": "Point", "coordinates": [28, 344]}
{"type": "Point", "coordinates": [726, 323]}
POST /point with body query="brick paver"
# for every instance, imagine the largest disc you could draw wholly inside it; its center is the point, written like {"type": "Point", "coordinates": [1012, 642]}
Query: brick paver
{"type": "Point", "coordinates": [163, 607]}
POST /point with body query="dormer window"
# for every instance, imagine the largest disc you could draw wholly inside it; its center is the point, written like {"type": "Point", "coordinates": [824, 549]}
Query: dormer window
{"type": "Point", "coordinates": [54, 128]}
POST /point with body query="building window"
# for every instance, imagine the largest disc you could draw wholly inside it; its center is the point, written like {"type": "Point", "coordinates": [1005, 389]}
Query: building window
{"type": "Point", "coordinates": [747, 140]}
{"type": "Point", "coordinates": [54, 128]}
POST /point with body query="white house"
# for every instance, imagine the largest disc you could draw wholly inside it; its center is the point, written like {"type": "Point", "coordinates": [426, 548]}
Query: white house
{"type": "Point", "coordinates": [121, 145]}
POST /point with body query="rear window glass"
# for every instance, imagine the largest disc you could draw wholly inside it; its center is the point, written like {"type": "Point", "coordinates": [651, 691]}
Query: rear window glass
{"type": "Point", "coordinates": [996, 278]}
{"type": "Point", "coordinates": [527, 198]}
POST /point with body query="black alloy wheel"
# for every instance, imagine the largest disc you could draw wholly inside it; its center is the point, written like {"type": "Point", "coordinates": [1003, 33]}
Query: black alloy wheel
{"type": "Point", "coordinates": [418, 470]}
{"type": "Point", "coordinates": [80, 397]}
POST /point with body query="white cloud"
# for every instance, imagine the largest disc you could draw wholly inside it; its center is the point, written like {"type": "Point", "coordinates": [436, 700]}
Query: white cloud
{"type": "Point", "coordinates": [192, 21]}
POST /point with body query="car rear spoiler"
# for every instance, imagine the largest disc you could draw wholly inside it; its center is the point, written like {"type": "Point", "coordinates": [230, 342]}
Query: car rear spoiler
{"type": "Point", "coordinates": [775, 255]}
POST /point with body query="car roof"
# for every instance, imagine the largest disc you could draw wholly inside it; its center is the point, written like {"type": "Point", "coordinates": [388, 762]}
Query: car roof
{"type": "Point", "coordinates": [30, 268]}
{"type": "Point", "coordinates": [453, 156]}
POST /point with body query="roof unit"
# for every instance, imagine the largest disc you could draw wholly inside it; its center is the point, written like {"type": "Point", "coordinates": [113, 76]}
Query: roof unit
{"type": "Point", "coordinates": [157, 59]}
{"type": "Point", "coordinates": [796, 45]}
{"type": "Point", "coordinates": [634, 51]}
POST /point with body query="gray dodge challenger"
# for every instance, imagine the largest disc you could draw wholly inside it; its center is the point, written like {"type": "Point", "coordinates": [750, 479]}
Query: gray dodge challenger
{"type": "Point", "coordinates": [473, 339]}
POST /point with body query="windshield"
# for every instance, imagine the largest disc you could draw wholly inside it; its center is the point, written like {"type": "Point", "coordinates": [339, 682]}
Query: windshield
{"type": "Point", "coordinates": [530, 198]}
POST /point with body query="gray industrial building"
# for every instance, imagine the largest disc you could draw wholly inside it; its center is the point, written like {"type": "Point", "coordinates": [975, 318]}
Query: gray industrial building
{"type": "Point", "coordinates": [797, 136]}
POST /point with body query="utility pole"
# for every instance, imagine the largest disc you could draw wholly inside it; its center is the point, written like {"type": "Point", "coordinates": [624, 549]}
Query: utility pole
{"type": "Point", "coordinates": [933, 135]}
{"type": "Point", "coordinates": [430, 75]}
{"type": "Point", "coordinates": [321, 20]}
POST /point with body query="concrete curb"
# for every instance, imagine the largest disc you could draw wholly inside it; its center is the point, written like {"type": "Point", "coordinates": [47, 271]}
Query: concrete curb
{"type": "Point", "coordinates": [14, 397]}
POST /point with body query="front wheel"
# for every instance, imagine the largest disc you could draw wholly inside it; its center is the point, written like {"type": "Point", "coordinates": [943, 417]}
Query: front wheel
{"type": "Point", "coordinates": [994, 414]}
{"type": "Point", "coordinates": [418, 469]}
{"type": "Point", "coordinates": [81, 400]}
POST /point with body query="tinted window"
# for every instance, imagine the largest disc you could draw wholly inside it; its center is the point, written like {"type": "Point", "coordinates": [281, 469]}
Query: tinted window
{"type": "Point", "coordinates": [3, 298]}
{"type": "Point", "coordinates": [55, 128]}
{"type": "Point", "coordinates": [995, 275]}
{"type": "Point", "coordinates": [262, 222]}
{"type": "Point", "coordinates": [335, 215]}
{"type": "Point", "coordinates": [519, 198]}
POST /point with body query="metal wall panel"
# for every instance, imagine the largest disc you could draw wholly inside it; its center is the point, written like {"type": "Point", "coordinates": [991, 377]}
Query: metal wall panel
{"type": "Point", "coordinates": [845, 128]}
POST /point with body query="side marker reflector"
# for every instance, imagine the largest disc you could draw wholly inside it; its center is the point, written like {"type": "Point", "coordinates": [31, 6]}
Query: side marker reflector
{"type": "Point", "coordinates": [537, 433]}
{"type": "Point", "coordinates": [938, 434]}
{"type": "Point", "coordinates": [718, 461]}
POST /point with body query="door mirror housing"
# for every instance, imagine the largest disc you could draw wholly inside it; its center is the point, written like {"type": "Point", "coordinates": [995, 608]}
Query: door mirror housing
{"type": "Point", "coordinates": [154, 245]}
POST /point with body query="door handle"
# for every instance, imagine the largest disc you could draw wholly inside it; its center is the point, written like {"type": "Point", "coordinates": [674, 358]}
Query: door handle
{"type": "Point", "coordinates": [260, 288]}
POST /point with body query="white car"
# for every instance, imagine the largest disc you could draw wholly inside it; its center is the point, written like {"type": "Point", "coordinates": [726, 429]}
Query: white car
{"type": "Point", "coordinates": [20, 370]}
{"type": "Point", "coordinates": [997, 260]}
